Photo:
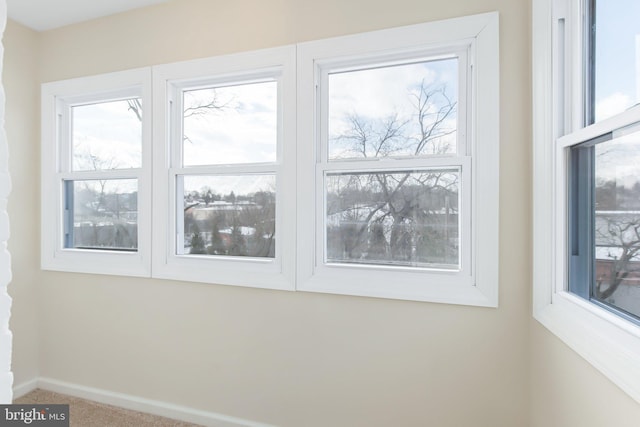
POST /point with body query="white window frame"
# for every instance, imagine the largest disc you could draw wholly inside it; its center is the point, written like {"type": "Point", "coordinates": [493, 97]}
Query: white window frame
{"type": "Point", "coordinates": [474, 39]}
{"type": "Point", "coordinates": [299, 195]}
{"type": "Point", "coordinates": [57, 100]}
{"type": "Point", "coordinates": [607, 341]}
{"type": "Point", "coordinates": [169, 82]}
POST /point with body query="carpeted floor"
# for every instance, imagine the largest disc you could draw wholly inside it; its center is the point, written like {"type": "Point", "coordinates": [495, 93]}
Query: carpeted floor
{"type": "Point", "coordinates": [85, 413]}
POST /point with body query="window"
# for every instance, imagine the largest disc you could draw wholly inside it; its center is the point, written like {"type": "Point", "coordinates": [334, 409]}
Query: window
{"type": "Point", "coordinates": [96, 174]}
{"type": "Point", "coordinates": [376, 212]}
{"type": "Point", "coordinates": [613, 46]}
{"type": "Point", "coordinates": [223, 214]}
{"type": "Point", "coordinates": [586, 146]}
{"type": "Point", "coordinates": [225, 179]}
{"type": "Point", "coordinates": [604, 222]}
{"type": "Point", "coordinates": [364, 165]}
{"type": "Point", "coordinates": [393, 148]}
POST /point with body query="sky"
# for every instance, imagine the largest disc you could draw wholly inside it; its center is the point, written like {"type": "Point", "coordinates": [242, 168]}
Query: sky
{"type": "Point", "coordinates": [617, 56]}
{"type": "Point", "coordinates": [108, 131]}
{"type": "Point", "coordinates": [617, 160]}
{"type": "Point", "coordinates": [375, 94]}
{"type": "Point", "coordinates": [617, 79]}
{"type": "Point", "coordinates": [242, 130]}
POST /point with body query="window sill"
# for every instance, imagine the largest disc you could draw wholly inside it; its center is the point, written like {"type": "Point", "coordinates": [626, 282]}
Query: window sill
{"type": "Point", "coordinates": [97, 262]}
{"type": "Point", "coordinates": [426, 291]}
{"type": "Point", "coordinates": [610, 344]}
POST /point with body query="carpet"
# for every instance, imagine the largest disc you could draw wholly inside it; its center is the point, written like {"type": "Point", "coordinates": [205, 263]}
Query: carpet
{"type": "Point", "coordinates": [86, 413]}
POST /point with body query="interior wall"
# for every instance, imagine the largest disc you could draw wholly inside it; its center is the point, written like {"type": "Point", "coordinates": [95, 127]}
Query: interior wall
{"type": "Point", "coordinates": [285, 358]}
{"type": "Point", "coordinates": [21, 84]}
{"type": "Point", "coordinates": [568, 391]}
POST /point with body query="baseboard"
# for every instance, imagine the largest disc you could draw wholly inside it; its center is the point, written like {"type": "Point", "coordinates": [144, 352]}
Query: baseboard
{"type": "Point", "coordinates": [163, 409]}
{"type": "Point", "coordinates": [24, 388]}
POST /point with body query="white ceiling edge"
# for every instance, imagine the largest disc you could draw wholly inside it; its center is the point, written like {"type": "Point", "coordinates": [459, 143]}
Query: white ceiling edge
{"type": "Point", "coordinates": [42, 15]}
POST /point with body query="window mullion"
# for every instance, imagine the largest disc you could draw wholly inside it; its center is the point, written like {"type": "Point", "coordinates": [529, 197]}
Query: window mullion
{"type": "Point", "coordinates": [228, 169]}
{"type": "Point", "coordinates": [102, 174]}
{"type": "Point", "coordinates": [388, 164]}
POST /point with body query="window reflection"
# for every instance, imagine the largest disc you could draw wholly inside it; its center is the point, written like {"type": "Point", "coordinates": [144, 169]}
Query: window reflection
{"type": "Point", "coordinates": [617, 223]}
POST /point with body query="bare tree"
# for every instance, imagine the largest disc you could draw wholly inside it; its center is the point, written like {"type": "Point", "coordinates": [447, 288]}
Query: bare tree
{"type": "Point", "coordinates": [390, 206]}
{"type": "Point", "coordinates": [135, 106]}
{"type": "Point", "coordinates": [243, 225]}
{"type": "Point", "coordinates": [433, 107]}
{"type": "Point", "coordinates": [368, 139]}
{"type": "Point", "coordinates": [616, 228]}
{"type": "Point", "coordinates": [620, 233]}
{"type": "Point", "coordinates": [200, 108]}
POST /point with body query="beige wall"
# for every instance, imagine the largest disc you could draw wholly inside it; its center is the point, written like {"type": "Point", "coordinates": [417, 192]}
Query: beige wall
{"type": "Point", "coordinates": [290, 359]}
{"type": "Point", "coordinates": [567, 391]}
{"type": "Point", "coordinates": [285, 358]}
{"type": "Point", "coordinates": [20, 80]}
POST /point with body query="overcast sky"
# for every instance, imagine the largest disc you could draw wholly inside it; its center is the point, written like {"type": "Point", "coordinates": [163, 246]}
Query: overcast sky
{"type": "Point", "coordinates": [617, 56]}
{"type": "Point", "coordinates": [108, 131]}
{"type": "Point", "coordinates": [376, 94]}
{"type": "Point", "coordinates": [243, 129]}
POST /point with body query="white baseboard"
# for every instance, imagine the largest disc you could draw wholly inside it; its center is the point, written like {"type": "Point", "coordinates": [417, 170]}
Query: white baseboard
{"type": "Point", "coordinates": [24, 388]}
{"type": "Point", "coordinates": [163, 409]}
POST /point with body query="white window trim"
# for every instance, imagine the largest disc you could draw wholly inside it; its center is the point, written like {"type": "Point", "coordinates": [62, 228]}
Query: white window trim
{"type": "Point", "coordinates": [59, 95]}
{"type": "Point", "coordinates": [276, 273]}
{"type": "Point", "coordinates": [609, 343]}
{"type": "Point", "coordinates": [479, 34]}
{"type": "Point", "coordinates": [293, 268]}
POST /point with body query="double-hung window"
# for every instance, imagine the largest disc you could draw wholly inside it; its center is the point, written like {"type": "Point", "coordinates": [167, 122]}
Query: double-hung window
{"type": "Point", "coordinates": [586, 187]}
{"type": "Point", "coordinates": [224, 179]}
{"type": "Point", "coordinates": [397, 130]}
{"type": "Point", "coordinates": [604, 177]}
{"type": "Point", "coordinates": [96, 187]}
{"type": "Point", "coordinates": [363, 165]}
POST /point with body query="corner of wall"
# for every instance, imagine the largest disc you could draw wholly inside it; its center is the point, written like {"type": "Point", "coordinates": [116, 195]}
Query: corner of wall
{"type": "Point", "coordinates": [6, 376]}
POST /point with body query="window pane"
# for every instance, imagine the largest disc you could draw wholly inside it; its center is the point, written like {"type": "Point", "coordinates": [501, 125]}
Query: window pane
{"type": "Point", "coordinates": [232, 124]}
{"type": "Point", "coordinates": [107, 135]}
{"type": "Point", "coordinates": [403, 218]}
{"type": "Point", "coordinates": [230, 215]}
{"type": "Point", "coordinates": [617, 56]}
{"type": "Point", "coordinates": [104, 214]}
{"type": "Point", "coordinates": [399, 110]}
{"type": "Point", "coordinates": [617, 223]}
